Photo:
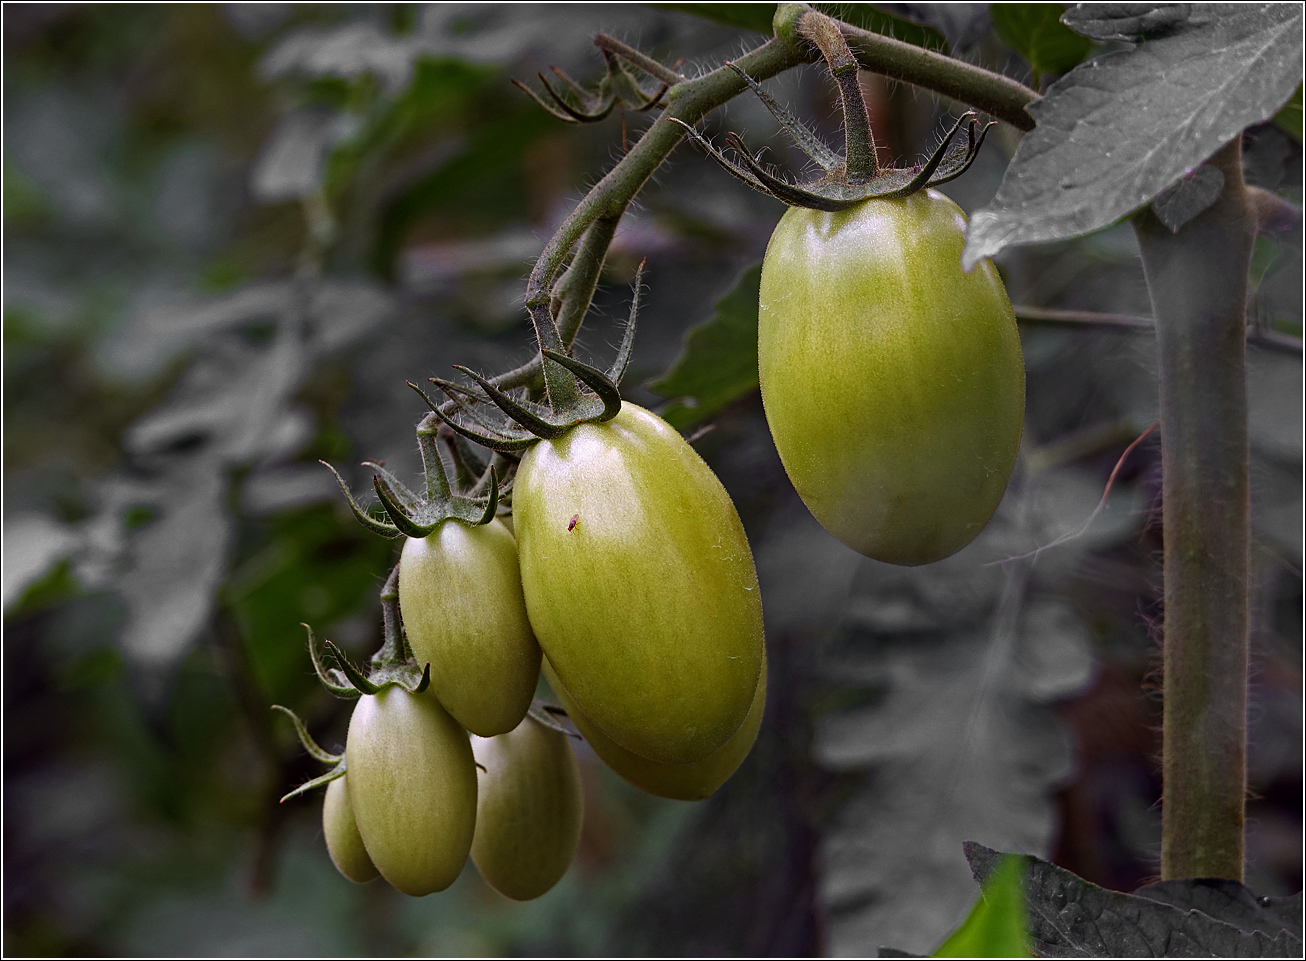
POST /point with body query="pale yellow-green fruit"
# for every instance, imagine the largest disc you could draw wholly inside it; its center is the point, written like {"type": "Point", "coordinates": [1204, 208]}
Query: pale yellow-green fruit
{"type": "Point", "coordinates": [528, 811]}
{"type": "Point", "coordinates": [461, 598]}
{"type": "Point", "coordinates": [412, 785]}
{"type": "Point", "coordinates": [680, 782]}
{"type": "Point", "coordinates": [893, 382]}
{"type": "Point", "coordinates": [640, 584]}
{"type": "Point", "coordinates": [344, 843]}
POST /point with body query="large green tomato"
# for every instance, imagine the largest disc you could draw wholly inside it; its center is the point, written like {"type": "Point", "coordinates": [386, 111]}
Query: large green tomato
{"type": "Point", "coordinates": [528, 810]}
{"type": "Point", "coordinates": [640, 585]}
{"type": "Point", "coordinates": [893, 383]}
{"type": "Point", "coordinates": [680, 782]}
{"type": "Point", "coordinates": [344, 843]}
{"type": "Point", "coordinates": [461, 598]}
{"type": "Point", "coordinates": [412, 785]}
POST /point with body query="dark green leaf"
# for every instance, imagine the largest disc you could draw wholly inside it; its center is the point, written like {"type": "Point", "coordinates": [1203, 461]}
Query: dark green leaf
{"type": "Point", "coordinates": [1121, 128]}
{"type": "Point", "coordinates": [719, 362]}
{"type": "Point", "coordinates": [1230, 902]}
{"type": "Point", "coordinates": [996, 926]}
{"type": "Point", "coordinates": [749, 16]}
{"type": "Point", "coordinates": [1289, 117]}
{"type": "Point", "coordinates": [1035, 31]}
{"type": "Point", "coordinates": [1072, 918]}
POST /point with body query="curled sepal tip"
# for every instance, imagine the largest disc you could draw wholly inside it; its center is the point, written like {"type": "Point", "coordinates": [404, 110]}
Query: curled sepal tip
{"type": "Point", "coordinates": [594, 379]}
{"type": "Point", "coordinates": [384, 528]}
{"type": "Point", "coordinates": [319, 781]}
{"type": "Point", "coordinates": [332, 679]}
{"type": "Point", "coordinates": [546, 714]}
{"type": "Point", "coordinates": [311, 746]}
{"type": "Point", "coordinates": [356, 677]}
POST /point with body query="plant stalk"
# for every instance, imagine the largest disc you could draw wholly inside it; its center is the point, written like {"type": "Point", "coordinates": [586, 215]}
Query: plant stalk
{"type": "Point", "coordinates": [1198, 282]}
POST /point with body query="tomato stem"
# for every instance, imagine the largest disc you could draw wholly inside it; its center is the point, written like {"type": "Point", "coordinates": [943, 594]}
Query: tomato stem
{"type": "Point", "coordinates": [1197, 278]}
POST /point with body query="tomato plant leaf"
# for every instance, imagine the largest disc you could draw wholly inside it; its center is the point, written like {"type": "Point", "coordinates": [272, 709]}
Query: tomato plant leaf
{"type": "Point", "coordinates": [996, 926]}
{"type": "Point", "coordinates": [941, 727]}
{"type": "Point", "coordinates": [1071, 917]}
{"type": "Point", "coordinates": [1289, 117]}
{"type": "Point", "coordinates": [1035, 31]}
{"type": "Point", "coordinates": [719, 360]}
{"type": "Point", "coordinates": [1122, 127]}
{"type": "Point", "coordinates": [1186, 199]}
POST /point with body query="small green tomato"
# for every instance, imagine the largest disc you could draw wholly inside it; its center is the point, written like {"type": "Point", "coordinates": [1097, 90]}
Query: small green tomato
{"type": "Point", "coordinates": [344, 843]}
{"type": "Point", "coordinates": [528, 811]}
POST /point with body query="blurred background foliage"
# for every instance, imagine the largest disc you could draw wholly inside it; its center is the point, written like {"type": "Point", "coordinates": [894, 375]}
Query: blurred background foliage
{"type": "Point", "coordinates": [233, 231]}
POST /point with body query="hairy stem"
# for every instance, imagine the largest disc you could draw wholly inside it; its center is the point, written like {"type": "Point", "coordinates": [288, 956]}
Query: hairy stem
{"type": "Point", "coordinates": [1197, 280]}
{"type": "Point", "coordinates": [859, 144]}
{"type": "Point", "coordinates": [689, 101]}
{"type": "Point", "coordinates": [984, 90]}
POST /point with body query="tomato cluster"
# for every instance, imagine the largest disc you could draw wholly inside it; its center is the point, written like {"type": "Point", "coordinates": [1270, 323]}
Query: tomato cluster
{"type": "Point", "coordinates": [626, 576]}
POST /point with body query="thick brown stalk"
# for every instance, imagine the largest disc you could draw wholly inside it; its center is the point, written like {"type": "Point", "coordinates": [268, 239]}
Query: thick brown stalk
{"type": "Point", "coordinates": [1197, 278]}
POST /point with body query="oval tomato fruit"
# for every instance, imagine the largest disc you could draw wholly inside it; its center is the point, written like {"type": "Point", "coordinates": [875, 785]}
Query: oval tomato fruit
{"type": "Point", "coordinates": [528, 810]}
{"type": "Point", "coordinates": [461, 598]}
{"type": "Point", "coordinates": [640, 584]}
{"type": "Point", "coordinates": [680, 782]}
{"type": "Point", "coordinates": [344, 843]}
{"type": "Point", "coordinates": [412, 785]}
{"type": "Point", "coordinates": [893, 383]}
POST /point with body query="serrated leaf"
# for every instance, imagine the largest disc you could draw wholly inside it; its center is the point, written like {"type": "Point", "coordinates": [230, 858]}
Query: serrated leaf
{"type": "Point", "coordinates": [719, 361]}
{"type": "Point", "coordinates": [996, 926]}
{"type": "Point", "coordinates": [1230, 902]}
{"type": "Point", "coordinates": [949, 667]}
{"type": "Point", "coordinates": [1073, 918]}
{"type": "Point", "coordinates": [1035, 31]}
{"type": "Point", "coordinates": [1135, 22]}
{"type": "Point", "coordinates": [1120, 128]}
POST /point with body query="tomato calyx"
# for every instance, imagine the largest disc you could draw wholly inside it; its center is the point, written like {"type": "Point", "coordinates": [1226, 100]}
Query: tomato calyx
{"type": "Point", "coordinates": [391, 666]}
{"type": "Point", "coordinates": [618, 87]}
{"type": "Point", "coordinates": [417, 515]}
{"type": "Point", "coordinates": [518, 422]}
{"type": "Point", "coordinates": [855, 176]}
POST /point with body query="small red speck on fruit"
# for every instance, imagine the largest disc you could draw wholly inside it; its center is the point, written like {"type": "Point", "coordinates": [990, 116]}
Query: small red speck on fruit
{"type": "Point", "coordinates": [574, 519]}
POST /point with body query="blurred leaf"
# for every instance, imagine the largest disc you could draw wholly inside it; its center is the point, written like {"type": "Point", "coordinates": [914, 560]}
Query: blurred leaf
{"type": "Point", "coordinates": [758, 16]}
{"type": "Point", "coordinates": [995, 927]}
{"type": "Point", "coordinates": [318, 568]}
{"type": "Point", "coordinates": [294, 156]}
{"type": "Point", "coordinates": [33, 545]}
{"type": "Point", "coordinates": [1070, 917]}
{"type": "Point", "coordinates": [719, 360]}
{"type": "Point", "coordinates": [1289, 117]}
{"type": "Point", "coordinates": [1035, 31]}
{"type": "Point", "coordinates": [962, 25]}
{"type": "Point", "coordinates": [346, 51]}
{"type": "Point", "coordinates": [1118, 130]}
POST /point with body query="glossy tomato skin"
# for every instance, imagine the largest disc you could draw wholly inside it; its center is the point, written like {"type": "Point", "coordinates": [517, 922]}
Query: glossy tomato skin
{"type": "Point", "coordinates": [529, 809]}
{"type": "Point", "coordinates": [647, 606]}
{"type": "Point", "coordinates": [893, 383]}
{"type": "Point", "coordinates": [412, 785]}
{"type": "Point", "coordinates": [461, 598]}
{"type": "Point", "coordinates": [344, 843]}
{"type": "Point", "coordinates": [680, 782]}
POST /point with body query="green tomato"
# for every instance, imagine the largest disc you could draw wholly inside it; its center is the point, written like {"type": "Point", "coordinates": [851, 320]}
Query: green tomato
{"type": "Point", "coordinates": [528, 810]}
{"type": "Point", "coordinates": [461, 598]}
{"type": "Point", "coordinates": [680, 782]}
{"type": "Point", "coordinates": [893, 383]}
{"type": "Point", "coordinates": [640, 585]}
{"type": "Point", "coordinates": [412, 785]}
{"type": "Point", "coordinates": [344, 843]}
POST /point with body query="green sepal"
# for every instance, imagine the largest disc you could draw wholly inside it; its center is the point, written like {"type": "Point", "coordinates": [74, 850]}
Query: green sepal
{"type": "Point", "coordinates": [332, 679]}
{"type": "Point", "coordinates": [593, 378]}
{"type": "Point", "coordinates": [356, 677]}
{"type": "Point", "coordinates": [544, 713]}
{"type": "Point", "coordinates": [384, 528]}
{"type": "Point", "coordinates": [319, 781]}
{"type": "Point", "coordinates": [528, 416]}
{"type": "Point", "coordinates": [311, 746]}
